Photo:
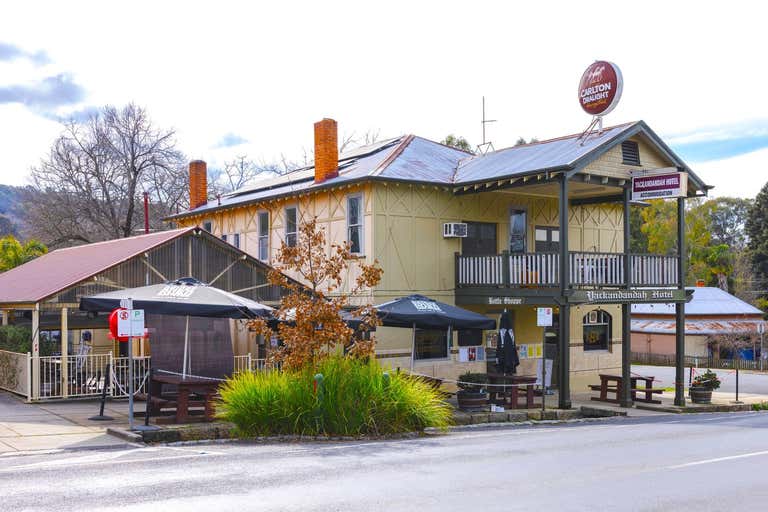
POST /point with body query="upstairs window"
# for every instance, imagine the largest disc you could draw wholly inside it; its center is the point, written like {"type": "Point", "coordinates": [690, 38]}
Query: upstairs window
{"type": "Point", "coordinates": [355, 224]}
{"type": "Point", "coordinates": [630, 153]}
{"type": "Point", "coordinates": [207, 225]}
{"type": "Point", "coordinates": [236, 240]}
{"type": "Point", "coordinates": [597, 330]}
{"type": "Point", "coordinates": [225, 238]}
{"type": "Point", "coordinates": [291, 227]}
{"type": "Point", "coordinates": [263, 236]}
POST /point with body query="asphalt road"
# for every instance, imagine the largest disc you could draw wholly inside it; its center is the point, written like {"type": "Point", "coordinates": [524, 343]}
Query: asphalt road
{"type": "Point", "coordinates": [751, 383]}
{"type": "Point", "coordinates": [697, 462]}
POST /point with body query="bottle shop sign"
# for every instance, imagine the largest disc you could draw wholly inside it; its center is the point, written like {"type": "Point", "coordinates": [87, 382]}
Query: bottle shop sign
{"type": "Point", "coordinates": [600, 88]}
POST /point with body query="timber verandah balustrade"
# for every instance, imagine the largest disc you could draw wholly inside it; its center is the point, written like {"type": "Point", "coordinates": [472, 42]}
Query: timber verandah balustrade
{"type": "Point", "coordinates": [586, 269]}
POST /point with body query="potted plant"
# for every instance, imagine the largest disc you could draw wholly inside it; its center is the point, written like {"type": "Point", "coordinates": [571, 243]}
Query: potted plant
{"type": "Point", "coordinates": [702, 386]}
{"type": "Point", "coordinates": [472, 395]}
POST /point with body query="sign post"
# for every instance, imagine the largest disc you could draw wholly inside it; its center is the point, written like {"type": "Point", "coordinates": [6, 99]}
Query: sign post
{"type": "Point", "coordinates": [761, 331]}
{"type": "Point", "coordinates": [544, 319]}
{"type": "Point", "coordinates": [130, 323]}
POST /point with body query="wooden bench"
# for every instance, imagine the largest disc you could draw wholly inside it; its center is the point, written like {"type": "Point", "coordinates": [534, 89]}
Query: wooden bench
{"type": "Point", "coordinates": [613, 384]}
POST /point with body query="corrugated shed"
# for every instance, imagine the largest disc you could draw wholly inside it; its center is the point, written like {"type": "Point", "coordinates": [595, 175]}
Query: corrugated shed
{"type": "Point", "coordinates": [706, 301]}
{"type": "Point", "coordinates": [694, 327]}
{"type": "Point", "coordinates": [539, 156]}
{"type": "Point", "coordinates": [62, 268]}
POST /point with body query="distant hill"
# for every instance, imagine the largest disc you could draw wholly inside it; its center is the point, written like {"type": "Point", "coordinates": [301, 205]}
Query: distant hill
{"type": "Point", "coordinates": [10, 210]}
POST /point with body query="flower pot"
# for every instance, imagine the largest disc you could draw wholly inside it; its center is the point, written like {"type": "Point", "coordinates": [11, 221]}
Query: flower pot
{"type": "Point", "coordinates": [700, 395]}
{"type": "Point", "coordinates": [472, 400]}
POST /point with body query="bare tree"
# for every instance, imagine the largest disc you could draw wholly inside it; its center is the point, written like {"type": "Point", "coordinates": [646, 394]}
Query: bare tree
{"type": "Point", "coordinates": [240, 172]}
{"type": "Point", "coordinates": [89, 187]}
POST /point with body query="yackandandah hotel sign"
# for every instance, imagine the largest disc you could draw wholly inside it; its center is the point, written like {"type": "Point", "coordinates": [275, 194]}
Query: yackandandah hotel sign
{"type": "Point", "coordinates": [600, 88]}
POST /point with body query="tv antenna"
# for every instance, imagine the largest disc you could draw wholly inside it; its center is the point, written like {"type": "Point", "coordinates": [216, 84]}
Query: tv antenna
{"type": "Point", "coordinates": [485, 146]}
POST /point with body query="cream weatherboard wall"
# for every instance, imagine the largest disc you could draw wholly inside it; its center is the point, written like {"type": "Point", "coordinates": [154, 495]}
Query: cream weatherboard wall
{"type": "Point", "coordinates": [403, 231]}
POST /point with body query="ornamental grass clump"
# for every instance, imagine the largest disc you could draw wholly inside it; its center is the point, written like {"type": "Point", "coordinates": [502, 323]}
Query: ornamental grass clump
{"type": "Point", "coordinates": [352, 398]}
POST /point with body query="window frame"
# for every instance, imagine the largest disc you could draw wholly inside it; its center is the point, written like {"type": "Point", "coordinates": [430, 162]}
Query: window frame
{"type": "Point", "coordinates": [635, 148]}
{"type": "Point", "coordinates": [207, 225]}
{"type": "Point", "coordinates": [360, 224]}
{"type": "Point", "coordinates": [517, 210]}
{"type": "Point", "coordinates": [447, 344]}
{"type": "Point", "coordinates": [597, 318]}
{"type": "Point", "coordinates": [295, 233]}
{"type": "Point", "coordinates": [236, 240]}
{"type": "Point", "coordinates": [260, 236]}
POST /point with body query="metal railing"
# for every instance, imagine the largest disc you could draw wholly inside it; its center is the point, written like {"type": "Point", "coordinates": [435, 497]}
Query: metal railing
{"type": "Point", "coordinates": [86, 375]}
{"type": "Point", "coordinates": [587, 269]}
{"type": "Point", "coordinates": [249, 363]}
{"type": "Point", "coordinates": [695, 361]}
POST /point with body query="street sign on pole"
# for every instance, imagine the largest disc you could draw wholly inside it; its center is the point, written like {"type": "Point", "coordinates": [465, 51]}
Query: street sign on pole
{"type": "Point", "coordinates": [130, 323]}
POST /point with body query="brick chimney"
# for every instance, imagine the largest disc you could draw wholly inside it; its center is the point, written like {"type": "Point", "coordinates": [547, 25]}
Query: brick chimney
{"type": "Point", "coordinates": [326, 150]}
{"type": "Point", "coordinates": [198, 184]}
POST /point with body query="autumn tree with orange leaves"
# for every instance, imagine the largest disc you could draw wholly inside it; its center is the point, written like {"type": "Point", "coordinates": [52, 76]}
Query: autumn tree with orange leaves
{"type": "Point", "coordinates": [311, 325]}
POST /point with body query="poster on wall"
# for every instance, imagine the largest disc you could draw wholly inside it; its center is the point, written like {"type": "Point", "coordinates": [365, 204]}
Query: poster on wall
{"type": "Point", "coordinates": [471, 354]}
{"type": "Point", "coordinates": [548, 382]}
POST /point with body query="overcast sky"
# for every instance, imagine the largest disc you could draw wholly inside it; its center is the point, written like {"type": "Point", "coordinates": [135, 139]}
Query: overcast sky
{"type": "Point", "coordinates": [235, 78]}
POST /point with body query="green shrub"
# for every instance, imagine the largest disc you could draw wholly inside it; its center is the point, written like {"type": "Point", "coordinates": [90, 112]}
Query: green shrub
{"type": "Point", "coordinates": [355, 398]}
{"type": "Point", "coordinates": [15, 339]}
{"type": "Point", "coordinates": [707, 380]}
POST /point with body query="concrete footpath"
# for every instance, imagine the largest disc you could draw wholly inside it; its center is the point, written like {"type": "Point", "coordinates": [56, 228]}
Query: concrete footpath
{"type": "Point", "coordinates": [56, 426]}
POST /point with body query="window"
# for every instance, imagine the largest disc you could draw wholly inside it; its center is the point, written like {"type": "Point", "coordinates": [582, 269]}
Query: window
{"type": "Point", "coordinates": [207, 225]}
{"type": "Point", "coordinates": [236, 240]}
{"type": "Point", "coordinates": [630, 153]}
{"type": "Point", "coordinates": [224, 237]}
{"type": "Point", "coordinates": [290, 226]}
{"type": "Point", "coordinates": [431, 344]}
{"type": "Point", "coordinates": [597, 330]}
{"type": "Point", "coordinates": [517, 231]}
{"type": "Point", "coordinates": [547, 239]}
{"type": "Point", "coordinates": [355, 224]}
{"type": "Point", "coordinates": [263, 236]}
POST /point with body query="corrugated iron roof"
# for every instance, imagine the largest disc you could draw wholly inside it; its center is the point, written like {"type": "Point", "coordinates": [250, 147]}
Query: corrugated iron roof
{"type": "Point", "coordinates": [539, 156]}
{"type": "Point", "coordinates": [706, 301]}
{"type": "Point", "coordinates": [418, 160]}
{"type": "Point", "coordinates": [694, 327]}
{"type": "Point", "coordinates": [62, 268]}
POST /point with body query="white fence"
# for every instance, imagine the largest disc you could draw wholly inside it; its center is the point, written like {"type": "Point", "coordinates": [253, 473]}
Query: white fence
{"type": "Point", "coordinates": [86, 376]}
{"type": "Point", "coordinates": [250, 363]}
{"type": "Point", "coordinates": [15, 372]}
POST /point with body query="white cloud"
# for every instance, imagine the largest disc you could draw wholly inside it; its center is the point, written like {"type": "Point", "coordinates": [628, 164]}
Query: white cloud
{"type": "Point", "coordinates": [267, 70]}
{"type": "Point", "coordinates": [738, 176]}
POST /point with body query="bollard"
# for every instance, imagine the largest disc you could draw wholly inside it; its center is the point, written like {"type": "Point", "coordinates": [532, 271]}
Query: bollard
{"type": "Point", "coordinates": [385, 380]}
{"type": "Point", "coordinates": [319, 391]}
{"type": "Point", "coordinates": [100, 416]}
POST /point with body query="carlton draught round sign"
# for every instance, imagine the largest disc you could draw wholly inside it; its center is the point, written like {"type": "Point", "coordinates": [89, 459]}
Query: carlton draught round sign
{"type": "Point", "coordinates": [600, 88]}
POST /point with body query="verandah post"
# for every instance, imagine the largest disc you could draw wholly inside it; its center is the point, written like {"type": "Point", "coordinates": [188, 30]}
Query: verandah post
{"type": "Point", "coordinates": [680, 307]}
{"type": "Point", "coordinates": [564, 395]}
{"type": "Point", "coordinates": [626, 309]}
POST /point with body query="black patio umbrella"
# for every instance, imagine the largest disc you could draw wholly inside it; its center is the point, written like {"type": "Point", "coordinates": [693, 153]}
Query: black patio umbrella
{"type": "Point", "coordinates": [508, 359]}
{"type": "Point", "coordinates": [420, 312]}
{"type": "Point", "coordinates": [184, 297]}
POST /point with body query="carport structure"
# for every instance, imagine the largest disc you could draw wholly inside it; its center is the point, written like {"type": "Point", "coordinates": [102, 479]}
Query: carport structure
{"type": "Point", "coordinates": [44, 294]}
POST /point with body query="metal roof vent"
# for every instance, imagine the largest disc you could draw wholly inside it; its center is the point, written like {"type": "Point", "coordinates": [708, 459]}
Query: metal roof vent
{"type": "Point", "coordinates": [630, 153]}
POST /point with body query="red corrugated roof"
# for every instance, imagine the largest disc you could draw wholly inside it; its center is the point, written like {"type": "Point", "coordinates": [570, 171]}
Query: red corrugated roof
{"type": "Point", "coordinates": [58, 270]}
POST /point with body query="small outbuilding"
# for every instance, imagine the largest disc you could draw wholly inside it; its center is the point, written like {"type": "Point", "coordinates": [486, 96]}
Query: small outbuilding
{"type": "Point", "coordinates": [712, 311]}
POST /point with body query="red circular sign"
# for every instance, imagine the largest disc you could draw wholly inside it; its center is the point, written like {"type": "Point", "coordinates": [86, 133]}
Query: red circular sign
{"type": "Point", "coordinates": [600, 88]}
{"type": "Point", "coordinates": [113, 323]}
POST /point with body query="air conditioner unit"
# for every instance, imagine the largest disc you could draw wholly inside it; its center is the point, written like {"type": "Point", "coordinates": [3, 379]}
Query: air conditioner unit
{"type": "Point", "coordinates": [454, 230]}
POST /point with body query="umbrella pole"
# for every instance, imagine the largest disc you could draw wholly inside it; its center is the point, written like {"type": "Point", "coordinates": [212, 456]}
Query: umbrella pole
{"type": "Point", "coordinates": [413, 347]}
{"type": "Point", "coordinates": [186, 348]}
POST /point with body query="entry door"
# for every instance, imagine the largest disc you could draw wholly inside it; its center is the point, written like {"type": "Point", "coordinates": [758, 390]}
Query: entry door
{"type": "Point", "coordinates": [547, 239]}
{"type": "Point", "coordinates": [480, 239]}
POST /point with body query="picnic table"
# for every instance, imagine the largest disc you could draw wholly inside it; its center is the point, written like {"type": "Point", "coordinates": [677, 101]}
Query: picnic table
{"type": "Point", "coordinates": [192, 393]}
{"type": "Point", "coordinates": [613, 383]}
{"type": "Point", "coordinates": [521, 386]}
